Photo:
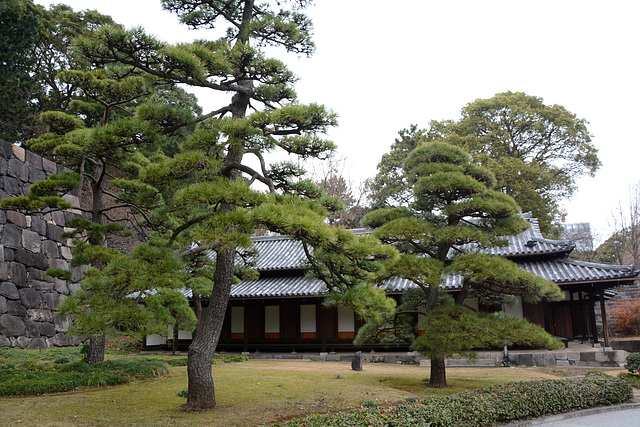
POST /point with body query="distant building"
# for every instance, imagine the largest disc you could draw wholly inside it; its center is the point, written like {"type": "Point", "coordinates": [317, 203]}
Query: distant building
{"type": "Point", "coordinates": [580, 234]}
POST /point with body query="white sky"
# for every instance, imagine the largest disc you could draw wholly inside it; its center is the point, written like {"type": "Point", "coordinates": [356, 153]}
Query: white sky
{"type": "Point", "coordinates": [383, 66]}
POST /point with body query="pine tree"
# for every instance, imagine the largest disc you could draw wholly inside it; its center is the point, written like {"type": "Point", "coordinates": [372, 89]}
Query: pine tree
{"type": "Point", "coordinates": [454, 212]}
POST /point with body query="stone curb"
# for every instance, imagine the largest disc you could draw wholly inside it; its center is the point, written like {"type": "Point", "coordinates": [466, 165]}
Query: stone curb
{"type": "Point", "coordinates": [574, 414]}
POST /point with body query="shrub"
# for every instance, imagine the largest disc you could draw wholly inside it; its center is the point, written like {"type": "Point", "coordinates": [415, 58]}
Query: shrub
{"type": "Point", "coordinates": [490, 405]}
{"type": "Point", "coordinates": [633, 363]}
{"type": "Point", "coordinates": [626, 317]}
{"type": "Point", "coordinates": [26, 372]}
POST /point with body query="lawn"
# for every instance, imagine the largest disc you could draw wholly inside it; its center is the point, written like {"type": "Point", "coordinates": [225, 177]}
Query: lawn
{"type": "Point", "coordinates": [249, 393]}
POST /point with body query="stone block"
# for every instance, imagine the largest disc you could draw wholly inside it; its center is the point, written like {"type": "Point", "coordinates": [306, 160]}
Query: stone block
{"type": "Point", "coordinates": [74, 200]}
{"type": "Point", "coordinates": [47, 329]}
{"type": "Point", "coordinates": [62, 322]}
{"type": "Point", "coordinates": [50, 299]}
{"type": "Point", "coordinates": [318, 358]}
{"type": "Point", "coordinates": [18, 274]}
{"type": "Point", "coordinates": [513, 359]}
{"type": "Point", "coordinates": [29, 298]}
{"type": "Point", "coordinates": [60, 340]}
{"type": "Point", "coordinates": [39, 315]}
{"type": "Point", "coordinates": [22, 342]}
{"type": "Point", "coordinates": [73, 287]}
{"type": "Point", "coordinates": [36, 175]}
{"type": "Point", "coordinates": [11, 236]}
{"type": "Point", "coordinates": [40, 261]}
{"type": "Point", "coordinates": [24, 257]}
{"type": "Point", "coordinates": [49, 167]}
{"type": "Point", "coordinates": [38, 274]}
{"type": "Point", "coordinates": [37, 344]}
{"type": "Point", "coordinates": [9, 290]}
{"type": "Point", "coordinates": [11, 186]}
{"type": "Point", "coordinates": [65, 253]}
{"type": "Point", "coordinates": [78, 272]}
{"type": "Point", "coordinates": [390, 358]}
{"type": "Point", "coordinates": [562, 362]}
{"type": "Point", "coordinates": [4, 271]}
{"type": "Point", "coordinates": [61, 287]}
{"type": "Point", "coordinates": [620, 356]}
{"type": "Point", "coordinates": [50, 249]}
{"type": "Point", "coordinates": [11, 326]}
{"type": "Point", "coordinates": [38, 225]}
{"type": "Point", "coordinates": [19, 152]}
{"type": "Point", "coordinates": [15, 308]}
{"type": "Point", "coordinates": [562, 355]}
{"type": "Point", "coordinates": [425, 363]}
{"type": "Point", "coordinates": [58, 218]}
{"type": "Point", "coordinates": [573, 355]}
{"type": "Point", "coordinates": [59, 263]}
{"type": "Point", "coordinates": [31, 241]}
{"type": "Point", "coordinates": [356, 362]}
{"type": "Point", "coordinates": [3, 305]}
{"type": "Point", "coordinates": [54, 232]}
{"type": "Point", "coordinates": [544, 359]}
{"type": "Point", "coordinates": [588, 356]}
{"type": "Point", "coordinates": [33, 160]}
{"type": "Point", "coordinates": [18, 169]}
{"type": "Point", "coordinates": [526, 359]}
{"type": "Point", "coordinates": [17, 218]}
{"type": "Point", "coordinates": [8, 255]}
{"type": "Point", "coordinates": [1, 251]}
{"type": "Point", "coordinates": [33, 328]}
{"type": "Point", "coordinates": [4, 341]}
{"type": "Point", "coordinates": [3, 167]}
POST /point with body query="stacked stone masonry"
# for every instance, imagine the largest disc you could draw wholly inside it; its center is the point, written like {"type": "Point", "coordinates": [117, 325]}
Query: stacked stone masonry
{"type": "Point", "coordinates": [29, 245]}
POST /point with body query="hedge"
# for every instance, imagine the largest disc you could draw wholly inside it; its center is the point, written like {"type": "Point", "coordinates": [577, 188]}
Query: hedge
{"type": "Point", "coordinates": [487, 406]}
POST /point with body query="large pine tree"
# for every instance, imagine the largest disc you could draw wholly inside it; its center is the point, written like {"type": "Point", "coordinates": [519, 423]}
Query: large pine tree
{"type": "Point", "coordinates": [454, 212]}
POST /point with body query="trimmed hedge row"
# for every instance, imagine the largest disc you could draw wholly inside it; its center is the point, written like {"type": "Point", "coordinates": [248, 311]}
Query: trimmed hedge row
{"type": "Point", "coordinates": [487, 406]}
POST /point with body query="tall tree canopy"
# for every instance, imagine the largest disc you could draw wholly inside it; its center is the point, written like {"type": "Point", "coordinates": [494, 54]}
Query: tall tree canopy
{"type": "Point", "coordinates": [37, 45]}
{"type": "Point", "coordinates": [20, 24]}
{"type": "Point", "coordinates": [205, 188]}
{"type": "Point", "coordinates": [454, 212]}
{"type": "Point", "coordinates": [536, 151]}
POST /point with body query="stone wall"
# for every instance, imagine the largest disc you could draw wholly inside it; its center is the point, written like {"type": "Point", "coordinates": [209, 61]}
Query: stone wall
{"type": "Point", "coordinates": [29, 245]}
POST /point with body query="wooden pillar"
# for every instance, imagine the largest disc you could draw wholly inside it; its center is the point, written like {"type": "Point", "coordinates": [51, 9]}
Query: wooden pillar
{"type": "Point", "coordinates": [573, 315]}
{"type": "Point", "coordinates": [322, 327]}
{"type": "Point", "coordinates": [605, 325]}
{"type": "Point", "coordinates": [245, 331]}
{"type": "Point", "coordinates": [592, 316]}
{"type": "Point", "coordinates": [584, 319]}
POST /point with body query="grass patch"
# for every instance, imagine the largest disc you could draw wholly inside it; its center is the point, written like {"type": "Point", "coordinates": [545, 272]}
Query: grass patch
{"type": "Point", "coordinates": [28, 372]}
{"type": "Point", "coordinates": [631, 379]}
{"type": "Point", "coordinates": [256, 392]}
{"type": "Point", "coordinates": [25, 372]}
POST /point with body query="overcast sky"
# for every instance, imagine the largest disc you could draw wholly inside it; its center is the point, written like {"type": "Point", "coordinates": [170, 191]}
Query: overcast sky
{"type": "Point", "coordinates": [383, 66]}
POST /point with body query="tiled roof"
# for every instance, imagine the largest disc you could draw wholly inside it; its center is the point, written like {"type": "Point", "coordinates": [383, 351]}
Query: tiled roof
{"type": "Point", "coordinates": [279, 253]}
{"type": "Point", "coordinates": [283, 253]}
{"type": "Point", "coordinates": [531, 243]}
{"type": "Point", "coordinates": [561, 271]}
{"type": "Point", "coordinates": [532, 252]}
{"type": "Point", "coordinates": [285, 286]}
{"type": "Point", "coordinates": [566, 271]}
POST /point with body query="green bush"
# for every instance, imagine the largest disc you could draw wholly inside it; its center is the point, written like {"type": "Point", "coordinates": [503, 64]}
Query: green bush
{"type": "Point", "coordinates": [27, 372]}
{"type": "Point", "coordinates": [496, 404]}
{"type": "Point", "coordinates": [633, 363]}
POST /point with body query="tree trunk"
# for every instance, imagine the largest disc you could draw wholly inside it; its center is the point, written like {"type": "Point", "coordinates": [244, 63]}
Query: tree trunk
{"type": "Point", "coordinates": [438, 377]}
{"type": "Point", "coordinates": [95, 352]}
{"type": "Point", "coordinates": [174, 344]}
{"type": "Point", "coordinates": [201, 388]}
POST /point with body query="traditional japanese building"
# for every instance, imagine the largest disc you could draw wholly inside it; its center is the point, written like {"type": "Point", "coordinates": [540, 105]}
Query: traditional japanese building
{"type": "Point", "coordinates": [283, 311]}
